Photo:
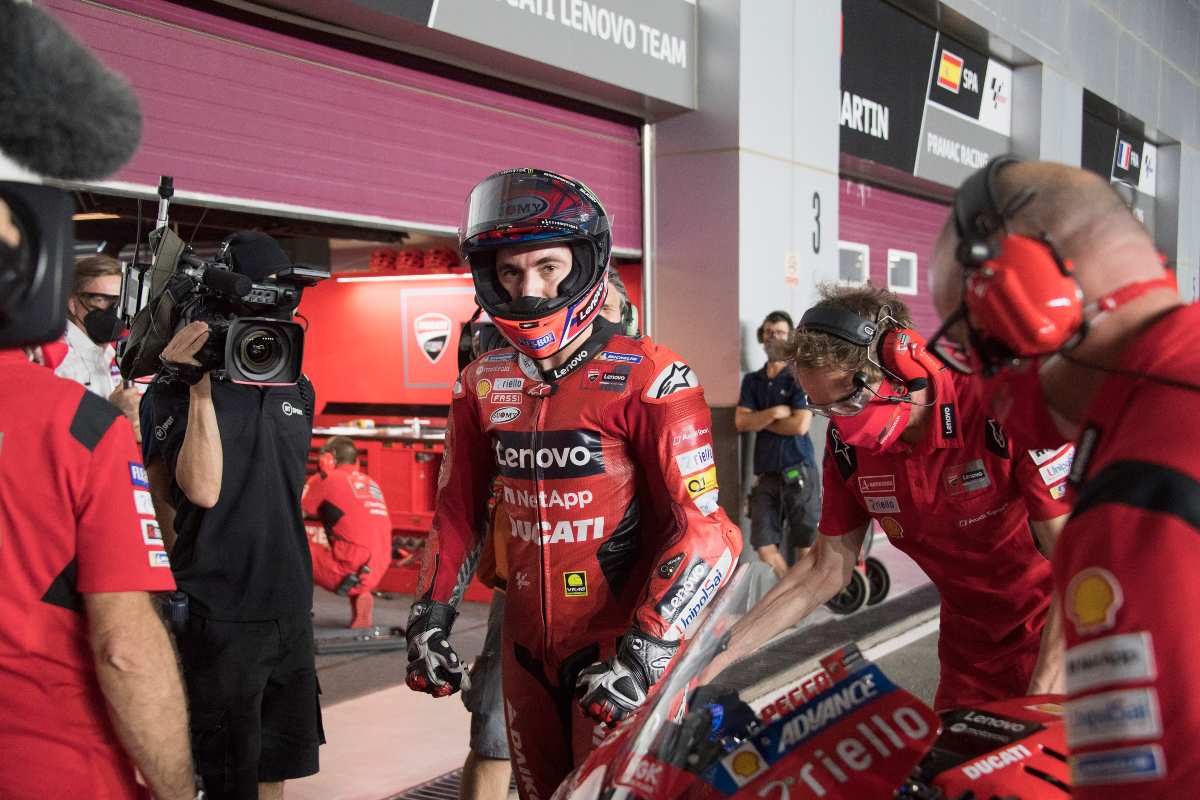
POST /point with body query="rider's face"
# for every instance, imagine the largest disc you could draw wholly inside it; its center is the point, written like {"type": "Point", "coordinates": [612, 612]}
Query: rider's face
{"type": "Point", "coordinates": [533, 273]}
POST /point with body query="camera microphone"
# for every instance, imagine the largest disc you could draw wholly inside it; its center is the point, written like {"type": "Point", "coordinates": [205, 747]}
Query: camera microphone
{"type": "Point", "coordinates": [66, 115]}
{"type": "Point", "coordinates": [227, 282]}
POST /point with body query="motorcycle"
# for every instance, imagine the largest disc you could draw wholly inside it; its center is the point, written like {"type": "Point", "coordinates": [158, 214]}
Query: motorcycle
{"type": "Point", "coordinates": [837, 729]}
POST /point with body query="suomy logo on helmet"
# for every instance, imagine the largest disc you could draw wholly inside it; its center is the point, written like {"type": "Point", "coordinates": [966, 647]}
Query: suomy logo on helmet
{"type": "Point", "coordinates": [522, 207]}
{"type": "Point", "coordinates": [559, 454]}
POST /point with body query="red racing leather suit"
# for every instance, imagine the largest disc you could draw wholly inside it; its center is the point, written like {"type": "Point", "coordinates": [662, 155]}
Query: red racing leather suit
{"type": "Point", "coordinates": [605, 468]}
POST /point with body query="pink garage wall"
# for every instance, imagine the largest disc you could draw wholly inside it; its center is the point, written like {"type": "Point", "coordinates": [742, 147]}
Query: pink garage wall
{"type": "Point", "coordinates": [882, 219]}
{"type": "Point", "coordinates": [239, 111]}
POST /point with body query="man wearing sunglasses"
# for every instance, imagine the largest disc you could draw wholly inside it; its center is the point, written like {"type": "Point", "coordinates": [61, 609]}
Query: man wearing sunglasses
{"type": "Point", "coordinates": [92, 328]}
{"type": "Point", "coordinates": [912, 447]}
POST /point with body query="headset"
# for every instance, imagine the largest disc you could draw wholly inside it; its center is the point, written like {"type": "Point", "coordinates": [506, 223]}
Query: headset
{"type": "Point", "coordinates": [327, 463]}
{"type": "Point", "coordinates": [774, 316]}
{"type": "Point", "coordinates": [1020, 296]}
{"type": "Point", "coordinates": [629, 319]}
{"type": "Point", "coordinates": [899, 352]}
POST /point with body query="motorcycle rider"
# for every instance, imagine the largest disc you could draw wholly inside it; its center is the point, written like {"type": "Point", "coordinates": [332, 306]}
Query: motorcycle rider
{"type": "Point", "coordinates": [601, 449]}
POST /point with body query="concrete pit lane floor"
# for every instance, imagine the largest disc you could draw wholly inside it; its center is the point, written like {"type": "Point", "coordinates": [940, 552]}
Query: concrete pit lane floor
{"type": "Point", "coordinates": [384, 738]}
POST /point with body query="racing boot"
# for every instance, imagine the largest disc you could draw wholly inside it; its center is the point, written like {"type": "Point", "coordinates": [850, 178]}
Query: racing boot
{"type": "Point", "coordinates": [361, 606]}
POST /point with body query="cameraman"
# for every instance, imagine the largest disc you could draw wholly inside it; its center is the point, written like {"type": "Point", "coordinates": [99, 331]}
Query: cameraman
{"type": "Point", "coordinates": [232, 458]}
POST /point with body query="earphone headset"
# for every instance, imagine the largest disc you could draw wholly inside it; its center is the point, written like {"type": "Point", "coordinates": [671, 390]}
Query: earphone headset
{"type": "Point", "coordinates": [1021, 297]}
{"type": "Point", "coordinates": [774, 316]}
{"type": "Point", "coordinates": [327, 463]}
{"type": "Point", "coordinates": [897, 351]}
{"type": "Point", "coordinates": [629, 319]}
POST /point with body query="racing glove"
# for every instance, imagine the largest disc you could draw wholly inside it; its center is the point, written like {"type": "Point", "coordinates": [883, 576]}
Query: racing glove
{"type": "Point", "coordinates": [433, 666]}
{"type": "Point", "coordinates": [611, 690]}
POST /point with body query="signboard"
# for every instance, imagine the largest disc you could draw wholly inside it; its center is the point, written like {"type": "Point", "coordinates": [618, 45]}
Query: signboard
{"type": "Point", "coordinates": [1121, 155]}
{"type": "Point", "coordinates": [917, 100]}
{"type": "Point", "coordinates": [649, 48]}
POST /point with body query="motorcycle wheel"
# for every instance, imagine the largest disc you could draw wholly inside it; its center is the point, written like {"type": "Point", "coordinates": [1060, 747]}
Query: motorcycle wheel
{"type": "Point", "coordinates": [879, 580]}
{"type": "Point", "coordinates": [853, 597]}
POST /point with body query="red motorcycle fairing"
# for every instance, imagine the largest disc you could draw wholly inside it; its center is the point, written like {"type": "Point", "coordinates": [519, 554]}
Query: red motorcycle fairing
{"type": "Point", "coordinates": [859, 738]}
{"type": "Point", "coordinates": [1009, 748]}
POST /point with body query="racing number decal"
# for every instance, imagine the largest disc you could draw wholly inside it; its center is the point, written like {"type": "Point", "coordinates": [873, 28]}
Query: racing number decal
{"type": "Point", "coordinates": [816, 237]}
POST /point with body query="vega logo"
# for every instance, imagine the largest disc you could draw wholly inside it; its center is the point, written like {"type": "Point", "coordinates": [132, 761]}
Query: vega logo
{"type": "Point", "coordinates": [558, 454]}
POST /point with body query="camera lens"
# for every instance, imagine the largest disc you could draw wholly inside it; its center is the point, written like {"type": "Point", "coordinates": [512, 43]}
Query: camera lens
{"type": "Point", "coordinates": [262, 352]}
{"type": "Point", "coordinates": [259, 349]}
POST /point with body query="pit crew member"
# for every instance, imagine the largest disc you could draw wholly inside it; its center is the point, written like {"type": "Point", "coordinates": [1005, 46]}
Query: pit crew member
{"type": "Point", "coordinates": [913, 448]}
{"type": "Point", "coordinates": [1121, 372]}
{"type": "Point", "coordinates": [351, 507]}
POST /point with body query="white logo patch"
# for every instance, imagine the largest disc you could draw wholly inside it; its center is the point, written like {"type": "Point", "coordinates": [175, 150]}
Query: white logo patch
{"type": "Point", "coordinates": [1057, 469]}
{"type": "Point", "coordinates": [675, 377]}
{"type": "Point", "coordinates": [150, 532]}
{"type": "Point", "coordinates": [882, 505]}
{"type": "Point", "coordinates": [503, 415]}
{"type": "Point", "coordinates": [142, 502]}
{"type": "Point", "coordinates": [290, 410]}
{"type": "Point", "coordinates": [1113, 717]}
{"type": "Point", "coordinates": [707, 502]}
{"type": "Point", "coordinates": [159, 558]}
{"type": "Point", "coordinates": [695, 460]}
{"type": "Point", "coordinates": [508, 384]}
{"type": "Point", "coordinates": [877, 484]}
{"type": "Point", "coordinates": [1122, 658]}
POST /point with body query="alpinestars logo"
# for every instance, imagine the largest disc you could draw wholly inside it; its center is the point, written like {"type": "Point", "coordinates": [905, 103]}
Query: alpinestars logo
{"type": "Point", "coordinates": [845, 457]}
{"type": "Point", "coordinates": [676, 377]}
{"type": "Point", "coordinates": [559, 454]}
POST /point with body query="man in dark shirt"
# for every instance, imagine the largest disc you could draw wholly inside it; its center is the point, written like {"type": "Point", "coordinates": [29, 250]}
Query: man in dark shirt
{"type": "Point", "coordinates": [232, 459]}
{"type": "Point", "coordinates": [785, 502]}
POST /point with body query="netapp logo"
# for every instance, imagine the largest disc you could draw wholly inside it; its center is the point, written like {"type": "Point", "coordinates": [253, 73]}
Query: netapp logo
{"type": "Point", "coordinates": [559, 454]}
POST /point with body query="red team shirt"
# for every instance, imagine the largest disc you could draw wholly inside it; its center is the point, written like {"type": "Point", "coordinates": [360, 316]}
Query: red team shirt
{"type": "Point", "coordinates": [1128, 571]}
{"type": "Point", "coordinates": [75, 517]}
{"type": "Point", "coordinates": [959, 504]}
{"type": "Point", "coordinates": [351, 506]}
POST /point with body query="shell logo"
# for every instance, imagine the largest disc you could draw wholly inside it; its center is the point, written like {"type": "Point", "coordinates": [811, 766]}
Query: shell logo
{"type": "Point", "coordinates": [483, 388]}
{"type": "Point", "coordinates": [892, 527]}
{"type": "Point", "coordinates": [746, 764]}
{"type": "Point", "coordinates": [1093, 598]}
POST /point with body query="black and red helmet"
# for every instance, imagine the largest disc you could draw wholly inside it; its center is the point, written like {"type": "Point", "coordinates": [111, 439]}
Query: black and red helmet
{"type": "Point", "coordinates": [530, 207]}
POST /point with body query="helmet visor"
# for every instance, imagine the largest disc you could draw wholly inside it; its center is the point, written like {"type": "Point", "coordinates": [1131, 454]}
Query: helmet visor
{"type": "Point", "coordinates": [525, 205]}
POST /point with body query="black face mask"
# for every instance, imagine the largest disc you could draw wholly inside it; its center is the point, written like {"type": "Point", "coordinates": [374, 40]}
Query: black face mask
{"type": "Point", "coordinates": [102, 325]}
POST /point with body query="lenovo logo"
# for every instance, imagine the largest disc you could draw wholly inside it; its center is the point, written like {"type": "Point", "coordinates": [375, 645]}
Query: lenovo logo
{"type": "Point", "coordinates": [558, 454]}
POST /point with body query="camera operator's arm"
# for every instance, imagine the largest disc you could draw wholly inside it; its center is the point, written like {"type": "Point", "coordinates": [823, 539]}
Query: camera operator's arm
{"type": "Point", "coordinates": [160, 493]}
{"type": "Point", "coordinates": [139, 677]}
{"type": "Point", "coordinates": [198, 468]}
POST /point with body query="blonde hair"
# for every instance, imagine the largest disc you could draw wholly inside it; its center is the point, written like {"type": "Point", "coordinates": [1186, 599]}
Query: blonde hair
{"type": "Point", "coordinates": [816, 350]}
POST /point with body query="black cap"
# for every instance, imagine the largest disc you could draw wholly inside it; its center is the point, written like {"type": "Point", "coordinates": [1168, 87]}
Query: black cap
{"type": "Point", "coordinates": [254, 254]}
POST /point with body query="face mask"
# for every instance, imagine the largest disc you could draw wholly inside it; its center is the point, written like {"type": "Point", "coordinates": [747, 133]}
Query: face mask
{"type": "Point", "coordinates": [876, 427]}
{"type": "Point", "coordinates": [102, 325]}
{"type": "Point", "coordinates": [776, 350]}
